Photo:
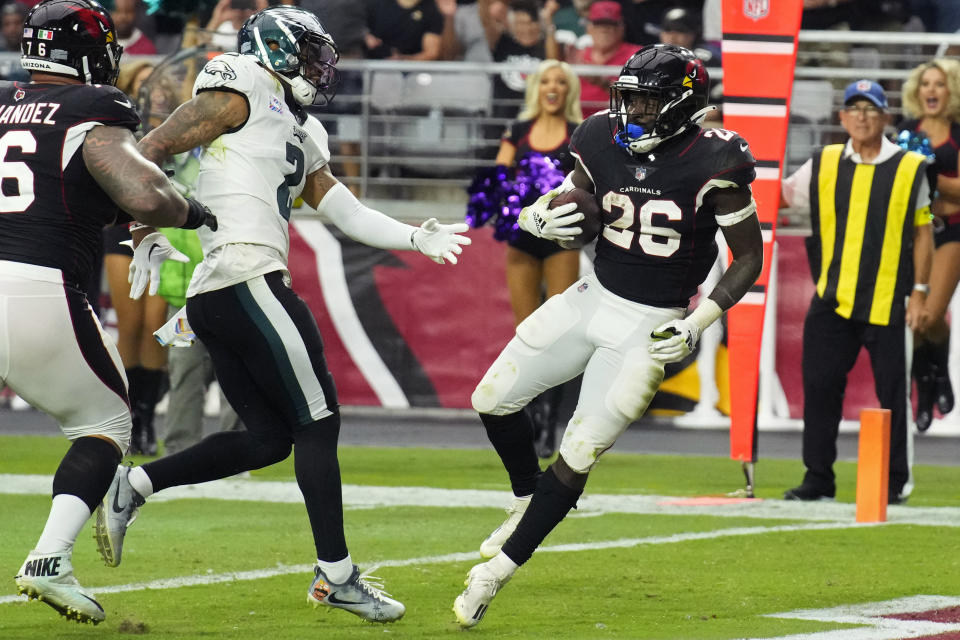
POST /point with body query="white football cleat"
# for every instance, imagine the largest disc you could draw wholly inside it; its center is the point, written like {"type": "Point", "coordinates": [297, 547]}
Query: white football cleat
{"type": "Point", "coordinates": [49, 578]}
{"type": "Point", "coordinates": [117, 511]}
{"type": "Point", "coordinates": [361, 595]}
{"type": "Point", "coordinates": [482, 585]}
{"type": "Point", "coordinates": [491, 546]}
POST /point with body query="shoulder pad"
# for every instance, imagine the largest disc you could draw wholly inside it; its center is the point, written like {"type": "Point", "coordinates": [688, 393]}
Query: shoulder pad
{"type": "Point", "coordinates": [113, 107]}
{"type": "Point", "coordinates": [730, 156]}
{"type": "Point", "coordinates": [229, 71]}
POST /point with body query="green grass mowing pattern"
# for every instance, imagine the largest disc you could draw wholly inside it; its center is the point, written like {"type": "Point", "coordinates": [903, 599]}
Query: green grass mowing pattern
{"type": "Point", "coordinates": [705, 589]}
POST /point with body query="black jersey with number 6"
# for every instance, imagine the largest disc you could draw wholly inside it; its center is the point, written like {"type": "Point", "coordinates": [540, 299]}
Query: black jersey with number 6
{"type": "Point", "coordinates": [51, 208]}
{"type": "Point", "coordinates": [659, 241]}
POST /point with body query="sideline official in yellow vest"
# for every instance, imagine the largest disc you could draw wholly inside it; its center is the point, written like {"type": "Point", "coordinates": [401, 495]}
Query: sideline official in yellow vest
{"type": "Point", "coordinates": [870, 252]}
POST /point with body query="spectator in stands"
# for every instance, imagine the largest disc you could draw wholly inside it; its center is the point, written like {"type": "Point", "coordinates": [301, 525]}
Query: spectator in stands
{"type": "Point", "coordinates": [125, 14]}
{"type": "Point", "coordinates": [515, 35]}
{"type": "Point", "coordinates": [939, 16]}
{"type": "Point", "coordinates": [606, 28]}
{"type": "Point", "coordinates": [829, 14]}
{"type": "Point", "coordinates": [871, 248]}
{"type": "Point", "coordinates": [346, 22]}
{"type": "Point", "coordinates": [642, 19]}
{"type": "Point", "coordinates": [403, 30]}
{"type": "Point", "coordinates": [931, 99]}
{"type": "Point", "coordinates": [463, 35]}
{"type": "Point", "coordinates": [537, 268]}
{"type": "Point", "coordinates": [227, 18]}
{"type": "Point", "coordinates": [12, 16]}
{"type": "Point", "coordinates": [570, 21]}
{"type": "Point", "coordinates": [681, 27]}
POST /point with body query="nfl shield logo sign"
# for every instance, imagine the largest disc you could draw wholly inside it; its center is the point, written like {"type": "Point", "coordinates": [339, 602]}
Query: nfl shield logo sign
{"type": "Point", "coordinates": [640, 173]}
{"type": "Point", "coordinates": [756, 9]}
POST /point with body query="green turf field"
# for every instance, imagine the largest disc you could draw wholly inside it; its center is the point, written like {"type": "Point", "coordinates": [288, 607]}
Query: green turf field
{"type": "Point", "coordinates": [625, 565]}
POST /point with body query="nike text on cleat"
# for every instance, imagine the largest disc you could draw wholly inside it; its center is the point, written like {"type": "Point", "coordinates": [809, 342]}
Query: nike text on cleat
{"type": "Point", "coordinates": [117, 511]}
{"type": "Point", "coordinates": [482, 585]}
{"type": "Point", "coordinates": [491, 546]}
{"type": "Point", "coordinates": [361, 595]}
{"type": "Point", "coordinates": [49, 578]}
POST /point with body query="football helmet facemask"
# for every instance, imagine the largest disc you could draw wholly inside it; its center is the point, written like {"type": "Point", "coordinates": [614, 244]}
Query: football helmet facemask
{"type": "Point", "coordinates": [662, 90]}
{"type": "Point", "coordinates": [294, 44]}
{"type": "Point", "coordinates": [74, 38]}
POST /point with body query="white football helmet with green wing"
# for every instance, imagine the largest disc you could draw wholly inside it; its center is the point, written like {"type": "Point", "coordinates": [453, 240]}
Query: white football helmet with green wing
{"type": "Point", "coordinates": [294, 44]}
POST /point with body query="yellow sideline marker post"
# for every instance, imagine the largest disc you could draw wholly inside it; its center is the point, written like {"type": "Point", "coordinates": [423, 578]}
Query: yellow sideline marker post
{"type": "Point", "coordinates": [873, 465]}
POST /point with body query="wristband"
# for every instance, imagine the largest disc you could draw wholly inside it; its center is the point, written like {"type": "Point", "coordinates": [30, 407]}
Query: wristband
{"type": "Point", "coordinates": [136, 226]}
{"type": "Point", "coordinates": [922, 288]}
{"type": "Point", "coordinates": [197, 215]}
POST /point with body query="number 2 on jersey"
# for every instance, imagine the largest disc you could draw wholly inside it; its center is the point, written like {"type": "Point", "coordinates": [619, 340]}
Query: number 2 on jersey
{"type": "Point", "coordinates": [284, 200]}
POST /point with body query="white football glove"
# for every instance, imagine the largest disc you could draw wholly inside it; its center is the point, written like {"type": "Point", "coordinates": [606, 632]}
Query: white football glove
{"type": "Point", "coordinates": [674, 340]}
{"type": "Point", "coordinates": [551, 224]}
{"type": "Point", "coordinates": [440, 242]}
{"type": "Point", "coordinates": [152, 251]}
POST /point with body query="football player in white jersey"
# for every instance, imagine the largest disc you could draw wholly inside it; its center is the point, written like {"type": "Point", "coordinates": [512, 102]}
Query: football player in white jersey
{"type": "Point", "coordinates": [262, 151]}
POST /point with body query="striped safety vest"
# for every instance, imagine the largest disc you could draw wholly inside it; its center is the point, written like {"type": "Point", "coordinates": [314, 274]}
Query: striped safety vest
{"type": "Point", "coordinates": [863, 217]}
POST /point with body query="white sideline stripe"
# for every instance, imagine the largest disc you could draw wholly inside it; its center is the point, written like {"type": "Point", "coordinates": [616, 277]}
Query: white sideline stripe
{"type": "Point", "coordinates": [336, 295]}
{"type": "Point", "coordinates": [357, 496]}
{"type": "Point", "coordinates": [871, 616]}
{"type": "Point", "coordinates": [259, 574]}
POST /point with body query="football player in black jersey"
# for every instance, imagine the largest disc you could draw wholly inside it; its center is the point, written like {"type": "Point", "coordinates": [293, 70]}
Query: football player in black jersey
{"type": "Point", "coordinates": [665, 186]}
{"type": "Point", "coordinates": [69, 165]}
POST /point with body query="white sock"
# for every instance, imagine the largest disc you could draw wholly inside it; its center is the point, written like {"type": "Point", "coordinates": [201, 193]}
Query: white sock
{"type": "Point", "coordinates": [140, 482]}
{"type": "Point", "coordinates": [502, 566]}
{"type": "Point", "coordinates": [67, 517]}
{"type": "Point", "coordinates": [337, 572]}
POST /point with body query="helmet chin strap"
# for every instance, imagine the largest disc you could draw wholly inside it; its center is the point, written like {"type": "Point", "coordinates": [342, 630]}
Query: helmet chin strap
{"type": "Point", "coordinates": [303, 91]}
{"type": "Point", "coordinates": [635, 139]}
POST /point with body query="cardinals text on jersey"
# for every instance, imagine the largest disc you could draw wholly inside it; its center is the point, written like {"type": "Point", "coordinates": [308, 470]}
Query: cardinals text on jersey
{"type": "Point", "coordinates": [658, 241]}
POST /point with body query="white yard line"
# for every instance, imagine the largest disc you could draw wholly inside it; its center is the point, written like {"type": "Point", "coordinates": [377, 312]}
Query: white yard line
{"type": "Point", "coordinates": [356, 496]}
{"type": "Point", "coordinates": [818, 516]}
{"type": "Point", "coordinates": [279, 570]}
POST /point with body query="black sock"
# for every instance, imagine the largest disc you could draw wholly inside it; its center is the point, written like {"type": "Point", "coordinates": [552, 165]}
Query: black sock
{"type": "Point", "coordinates": [219, 455]}
{"type": "Point", "coordinates": [318, 475]}
{"type": "Point", "coordinates": [87, 470]}
{"type": "Point", "coordinates": [550, 504]}
{"type": "Point", "coordinates": [512, 437]}
{"type": "Point", "coordinates": [148, 395]}
{"type": "Point", "coordinates": [134, 383]}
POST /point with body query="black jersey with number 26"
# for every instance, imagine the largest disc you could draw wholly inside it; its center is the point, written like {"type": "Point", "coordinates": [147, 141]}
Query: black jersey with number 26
{"type": "Point", "coordinates": [659, 241]}
{"type": "Point", "coordinates": [51, 208]}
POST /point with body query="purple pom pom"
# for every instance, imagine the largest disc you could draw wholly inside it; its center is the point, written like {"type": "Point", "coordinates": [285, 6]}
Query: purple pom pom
{"type": "Point", "coordinates": [493, 195]}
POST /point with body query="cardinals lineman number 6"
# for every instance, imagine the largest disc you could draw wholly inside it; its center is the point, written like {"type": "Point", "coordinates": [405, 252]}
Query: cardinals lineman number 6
{"type": "Point", "coordinates": [654, 240]}
{"type": "Point", "coordinates": [18, 171]}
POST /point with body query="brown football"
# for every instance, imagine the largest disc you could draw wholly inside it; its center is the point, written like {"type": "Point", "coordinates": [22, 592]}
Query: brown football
{"type": "Point", "coordinates": [592, 221]}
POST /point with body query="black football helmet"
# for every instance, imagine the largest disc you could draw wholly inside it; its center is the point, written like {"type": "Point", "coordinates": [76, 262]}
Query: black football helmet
{"type": "Point", "coordinates": [73, 38]}
{"type": "Point", "coordinates": [293, 43]}
{"type": "Point", "coordinates": [662, 90]}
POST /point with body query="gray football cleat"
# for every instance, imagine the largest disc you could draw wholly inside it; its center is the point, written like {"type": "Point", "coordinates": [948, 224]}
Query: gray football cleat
{"type": "Point", "coordinates": [117, 511]}
{"type": "Point", "coordinates": [49, 578]}
{"type": "Point", "coordinates": [482, 585]}
{"type": "Point", "coordinates": [361, 595]}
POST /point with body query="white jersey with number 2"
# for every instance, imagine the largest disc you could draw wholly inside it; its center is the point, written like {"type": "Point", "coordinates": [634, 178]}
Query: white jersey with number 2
{"type": "Point", "coordinates": [250, 176]}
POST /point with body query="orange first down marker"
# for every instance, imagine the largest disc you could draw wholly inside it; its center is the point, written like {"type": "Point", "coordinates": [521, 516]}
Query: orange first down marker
{"type": "Point", "coordinates": [873, 465]}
